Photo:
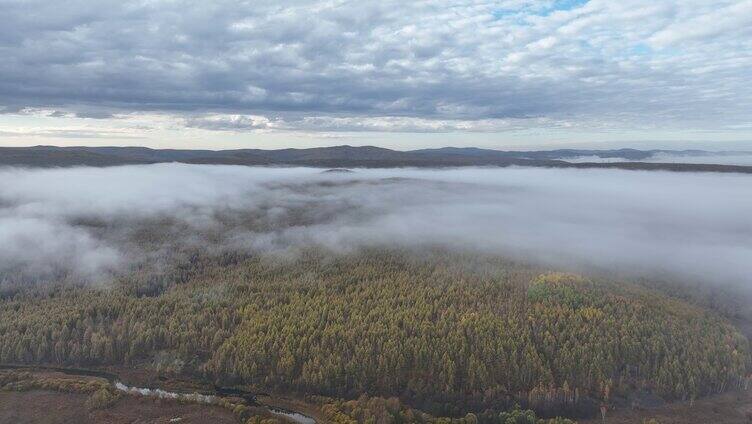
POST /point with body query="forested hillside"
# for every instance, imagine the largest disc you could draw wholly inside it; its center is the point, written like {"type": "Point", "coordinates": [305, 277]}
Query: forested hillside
{"type": "Point", "coordinates": [449, 334]}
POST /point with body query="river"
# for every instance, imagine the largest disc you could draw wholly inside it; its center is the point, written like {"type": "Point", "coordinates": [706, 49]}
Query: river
{"type": "Point", "coordinates": [206, 399]}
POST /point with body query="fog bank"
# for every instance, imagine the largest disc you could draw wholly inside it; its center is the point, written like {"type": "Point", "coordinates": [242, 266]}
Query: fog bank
{"type": "Point", "coordinates": [90, 221]}
{"type": "Point", "coordinates": [723, 158]}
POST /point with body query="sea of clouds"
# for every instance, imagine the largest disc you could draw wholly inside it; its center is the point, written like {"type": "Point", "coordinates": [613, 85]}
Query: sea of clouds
{"type": "Point", "coordinates": [83, 221]}
{"type": "Point", "coordinates": [722, 158]}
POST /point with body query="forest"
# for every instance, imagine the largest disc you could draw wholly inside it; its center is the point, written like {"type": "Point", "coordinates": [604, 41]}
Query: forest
{"type": "Point", "coordinates": [446, 333]}
{"type": "Point", "coordinates": [376, 212]}
{"type": "Point", "coordinates": [411, 295]}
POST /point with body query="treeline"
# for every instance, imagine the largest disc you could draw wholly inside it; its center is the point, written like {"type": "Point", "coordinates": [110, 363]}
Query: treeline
{"type": "Point", "coordinates": [391, 411]}
{"type": "Point", "coordinates": [101, 393]}
{"type": "Point", "coordinates": [449, 334]}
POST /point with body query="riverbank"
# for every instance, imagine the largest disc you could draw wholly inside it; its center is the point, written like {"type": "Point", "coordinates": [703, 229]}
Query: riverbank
{"type": "Point", "coordinates": [48, 407]}
{"type": "Point", "coordinates": [46, 381]}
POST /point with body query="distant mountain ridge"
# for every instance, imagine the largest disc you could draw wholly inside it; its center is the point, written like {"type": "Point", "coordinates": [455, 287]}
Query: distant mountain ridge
{"type": "Point", "coordinates": [352, 156]}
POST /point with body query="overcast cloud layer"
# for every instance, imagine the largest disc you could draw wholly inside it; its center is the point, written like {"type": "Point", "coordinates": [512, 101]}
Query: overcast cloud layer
{"type": "Point", "coordinates": [386, 66]}
{"type": "Point", "coordinates": [85, 220]}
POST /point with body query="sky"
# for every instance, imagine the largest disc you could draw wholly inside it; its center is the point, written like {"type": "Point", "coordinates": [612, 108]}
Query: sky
{"type": "Point", "coordinates": [510, 74]}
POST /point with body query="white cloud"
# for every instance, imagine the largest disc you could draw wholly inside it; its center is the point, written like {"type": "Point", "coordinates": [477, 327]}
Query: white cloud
{"type": "Point", "coordinates": [542, 44]}
{"type": "Point", "coordinates": [689, 226]}
{"type": "Point", "coordinates": [388, 124]}
{"type": "Point", "coordinates": [231, 122]}
{"type": "Point", "coordinates": [734, 19]}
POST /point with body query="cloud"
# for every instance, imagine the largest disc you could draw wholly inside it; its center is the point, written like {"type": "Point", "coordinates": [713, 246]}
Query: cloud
{"type": "Point", "coordinates": [636, 65]}
{"type": "Point", "coordinates": [724, 158]}
{"type": "Point", "coordinates": [38, 247]}
{"type": "Point", "coordinates": [735, 18]}
{"type": "Point", "coordinates": [387, 124]}
{"type": "Point", "coordinates": [229, 122]}
{"type": "Point", "coordinates": [85, 221]}
{"type": "Point", "coordinates": [53, 132]}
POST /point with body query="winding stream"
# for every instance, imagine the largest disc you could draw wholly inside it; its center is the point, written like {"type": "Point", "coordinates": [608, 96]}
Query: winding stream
{"type": "Point", "coordinates": [163, 394]}
{"type": "Point", "coordinates": [206, 399]}
{"type": "Point", "coordinates": [294, 416]}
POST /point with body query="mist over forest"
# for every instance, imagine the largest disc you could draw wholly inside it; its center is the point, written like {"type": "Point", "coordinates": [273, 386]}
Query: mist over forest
{"type": "Point", "coordinates": [376, 212]}
{"type": "Point", "coordinates": [91, 223]}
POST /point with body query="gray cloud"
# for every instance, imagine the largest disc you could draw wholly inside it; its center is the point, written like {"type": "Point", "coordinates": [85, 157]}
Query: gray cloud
{"type": "Point", "coordinates": [639, 64]}
{"type": "Point", "coordinates": [89, 220]}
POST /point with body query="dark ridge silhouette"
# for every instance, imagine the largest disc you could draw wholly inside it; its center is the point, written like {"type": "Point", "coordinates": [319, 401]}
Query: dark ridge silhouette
{"type": "Point", "coordinates": [354, 157]}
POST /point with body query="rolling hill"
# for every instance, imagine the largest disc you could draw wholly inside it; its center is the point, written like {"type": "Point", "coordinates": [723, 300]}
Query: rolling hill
{"type": "Point", "coordinates": [351, 156]}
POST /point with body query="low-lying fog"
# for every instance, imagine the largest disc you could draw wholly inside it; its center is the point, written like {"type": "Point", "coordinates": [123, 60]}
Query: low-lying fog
{"type": "Point", "coordinates": [723, 158]}
{"type": "Point", "coordinates": [90, 221]}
